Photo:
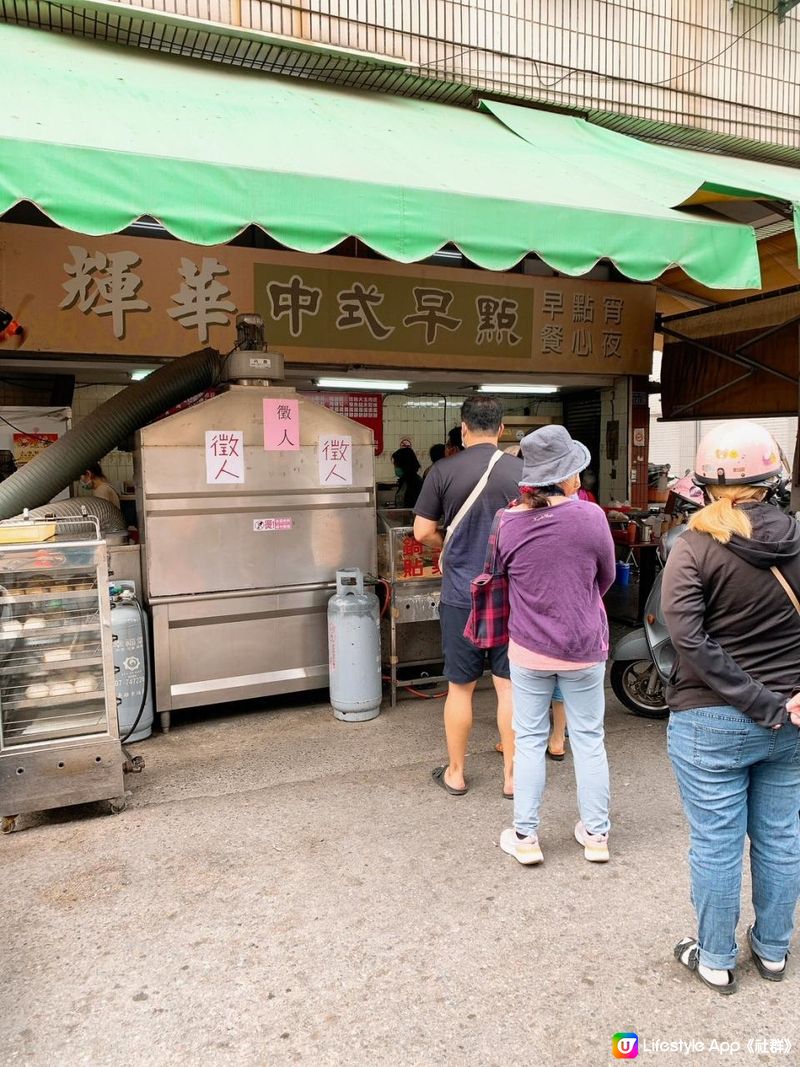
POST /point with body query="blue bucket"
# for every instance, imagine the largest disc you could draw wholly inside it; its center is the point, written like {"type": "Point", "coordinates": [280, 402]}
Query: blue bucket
{"type": "Point", "coordinates": [623, 574]}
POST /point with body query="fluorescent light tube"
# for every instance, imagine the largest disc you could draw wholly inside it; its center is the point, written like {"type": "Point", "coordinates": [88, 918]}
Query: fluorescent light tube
{"type": "Point", "coordinates": [372, 385]}
{"type": "Point", "coordinates": [504, 387]}
{"type": "Point", "coordinates": [140, 375]}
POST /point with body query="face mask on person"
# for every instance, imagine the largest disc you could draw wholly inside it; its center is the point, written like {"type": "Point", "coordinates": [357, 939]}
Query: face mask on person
{"type": "Point", "coordinates": [398, 472]}
{"type": "Point", "coordinates": [86, 483]}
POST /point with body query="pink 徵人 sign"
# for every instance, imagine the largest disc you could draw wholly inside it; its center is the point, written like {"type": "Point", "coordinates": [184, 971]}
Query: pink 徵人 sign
{"type": "Point", "coordinates": [281, 425]}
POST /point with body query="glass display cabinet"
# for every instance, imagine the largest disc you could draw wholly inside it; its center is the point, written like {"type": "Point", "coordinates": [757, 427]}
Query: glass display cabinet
{"type": "Point", "coordinates": [59, 740]}
{"type": "Point", "coordinates": [411, 574]}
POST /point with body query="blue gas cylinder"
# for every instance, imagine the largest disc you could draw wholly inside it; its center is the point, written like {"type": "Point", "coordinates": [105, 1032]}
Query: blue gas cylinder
{"type": "Point", "coordinates": [131, 667]}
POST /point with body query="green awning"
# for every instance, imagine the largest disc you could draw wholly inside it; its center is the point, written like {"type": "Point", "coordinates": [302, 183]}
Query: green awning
{"type": "Point", "coordinates": [97, 136]}
{"type": "Point", "coordinates": [672, 176]}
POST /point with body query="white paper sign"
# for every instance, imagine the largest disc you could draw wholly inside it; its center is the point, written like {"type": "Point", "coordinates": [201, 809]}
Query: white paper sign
{"type": "Point", "coordinates": [336, 460]}
{"type": "Point", "coordinates": [224, 457]}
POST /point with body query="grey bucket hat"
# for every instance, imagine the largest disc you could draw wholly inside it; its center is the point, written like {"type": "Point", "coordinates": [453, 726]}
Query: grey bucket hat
{"type": "Point", "coordinates": [550, 456]}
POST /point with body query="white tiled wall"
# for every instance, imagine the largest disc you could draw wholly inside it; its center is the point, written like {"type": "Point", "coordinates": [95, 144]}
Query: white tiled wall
{"type": "Point", "coordinates": [117, 466]}
{"type": "Point", "coordinates": [425, 421]}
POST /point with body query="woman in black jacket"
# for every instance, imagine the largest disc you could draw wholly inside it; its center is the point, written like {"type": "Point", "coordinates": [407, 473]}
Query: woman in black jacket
{"type": "Point", "coordinates": [409, 482]}
{"type": "Point", "coordinates": [730, 602]}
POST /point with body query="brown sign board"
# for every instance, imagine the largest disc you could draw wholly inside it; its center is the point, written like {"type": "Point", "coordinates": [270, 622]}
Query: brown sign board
{"type": "Point", "coordinates": [696, 384]}
{"type": "Point", "coordinates": [734, 360]}
{"type": "Point", "coordinates": [132, 296]}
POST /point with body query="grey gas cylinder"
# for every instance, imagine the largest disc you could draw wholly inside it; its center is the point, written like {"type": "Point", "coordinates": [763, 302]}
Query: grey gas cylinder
{"type": "Point", "coordinates": [130, 648]}
{"type": "Point", "coordinates": [354, 649]}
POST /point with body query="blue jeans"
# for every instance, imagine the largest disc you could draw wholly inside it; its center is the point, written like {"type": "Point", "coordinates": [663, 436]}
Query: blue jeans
{"type": "Point", "coordinates": [584, 700]}
{"type": "Point", "coordinates": [735, 778]}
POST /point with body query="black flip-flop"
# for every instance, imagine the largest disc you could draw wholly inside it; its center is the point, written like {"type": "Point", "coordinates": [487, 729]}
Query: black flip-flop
{"type": "Point", "coordinates": [507, 796]}
{"type": "Point", "coordinates": [765, 972]}
{"type": "Point", "coordinates": [692, 964]}
{"type": "Point", "coordinates": [438, 776]}
{"type": "Point", "coordinates": [557, 757]}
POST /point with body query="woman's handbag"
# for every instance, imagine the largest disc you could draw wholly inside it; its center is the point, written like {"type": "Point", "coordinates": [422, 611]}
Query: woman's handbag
{"type": "Point", "coordinates": [487, 625]}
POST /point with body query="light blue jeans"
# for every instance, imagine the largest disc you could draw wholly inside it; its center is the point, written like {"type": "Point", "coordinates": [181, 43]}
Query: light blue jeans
{"type": "Point", "coordinates": [735, 778]}
{"type": "Point", "coordinates": [584, 700]}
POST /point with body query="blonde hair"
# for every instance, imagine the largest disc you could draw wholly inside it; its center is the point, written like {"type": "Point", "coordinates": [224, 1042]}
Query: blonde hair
{"type": "Point", "coordinates": [721, 519]}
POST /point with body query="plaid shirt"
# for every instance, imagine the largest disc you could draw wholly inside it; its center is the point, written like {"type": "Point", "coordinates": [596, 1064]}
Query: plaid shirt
{"type": "Point", "coordinates": [487, 625]}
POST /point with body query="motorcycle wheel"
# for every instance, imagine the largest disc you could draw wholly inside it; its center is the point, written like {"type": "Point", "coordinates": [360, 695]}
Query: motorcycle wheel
{"type": "Point", "coordinates": [630, 680]}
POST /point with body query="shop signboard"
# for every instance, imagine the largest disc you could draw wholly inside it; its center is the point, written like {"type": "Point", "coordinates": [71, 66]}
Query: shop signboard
{"type": "Point", "coordinates": [557, 323]}
{"type": "Point", "coordinates": [133, 296]}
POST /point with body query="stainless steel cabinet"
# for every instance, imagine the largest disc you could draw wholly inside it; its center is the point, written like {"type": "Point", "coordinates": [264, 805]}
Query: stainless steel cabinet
{"type": "Point", "coordinates": [238, 575]}
{"type": "Point", "coordinates": [59, 741]}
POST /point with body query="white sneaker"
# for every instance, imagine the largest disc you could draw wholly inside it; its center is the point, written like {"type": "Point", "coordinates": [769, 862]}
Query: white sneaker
{"type": "Point", "coordinates": [526, 851]}
{"type": "Point", "coordinates": [595, 846]}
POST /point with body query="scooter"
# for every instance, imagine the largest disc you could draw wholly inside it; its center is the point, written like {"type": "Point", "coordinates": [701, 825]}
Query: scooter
{"type": "Point", "coordinates": [643, 660]}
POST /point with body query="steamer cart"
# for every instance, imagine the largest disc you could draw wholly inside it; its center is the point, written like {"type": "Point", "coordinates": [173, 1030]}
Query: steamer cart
{"type": "Point", "coordinates": [59, 740]}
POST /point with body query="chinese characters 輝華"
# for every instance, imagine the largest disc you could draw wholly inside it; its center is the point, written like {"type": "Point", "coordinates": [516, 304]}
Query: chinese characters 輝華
{"type": "Point", "coordinates": [200, 297]}
{"type": "Point", "coordinates": [105, 284]}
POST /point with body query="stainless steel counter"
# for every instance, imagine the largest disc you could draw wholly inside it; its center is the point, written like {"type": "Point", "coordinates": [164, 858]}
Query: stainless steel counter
{"type": "Point", "coordinates": [239, 605]}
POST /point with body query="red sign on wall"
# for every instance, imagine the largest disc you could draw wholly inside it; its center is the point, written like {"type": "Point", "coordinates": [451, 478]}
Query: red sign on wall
{"type": "Point", "coordinates": [366, 408]}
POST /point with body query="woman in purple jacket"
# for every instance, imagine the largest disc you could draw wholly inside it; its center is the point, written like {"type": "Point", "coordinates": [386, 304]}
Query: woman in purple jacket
{"type": "Point", "coordinates": [558, 554]}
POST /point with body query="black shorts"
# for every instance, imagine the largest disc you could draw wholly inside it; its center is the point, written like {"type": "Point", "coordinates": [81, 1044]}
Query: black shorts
{"type": "Point", "coordinates": [463, 662]}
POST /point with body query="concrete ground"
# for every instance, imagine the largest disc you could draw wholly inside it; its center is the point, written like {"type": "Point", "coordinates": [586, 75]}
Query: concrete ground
{"type": "Point", "coordinates": [284, 888]}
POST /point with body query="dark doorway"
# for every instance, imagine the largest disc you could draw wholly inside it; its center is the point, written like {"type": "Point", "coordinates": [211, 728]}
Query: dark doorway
{"type": "Point", "coordinates": [582, 420]}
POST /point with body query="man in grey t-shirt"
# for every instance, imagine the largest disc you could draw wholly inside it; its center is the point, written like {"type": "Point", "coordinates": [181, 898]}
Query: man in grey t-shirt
{"type": "Point", "coordinates": [444, 491]}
